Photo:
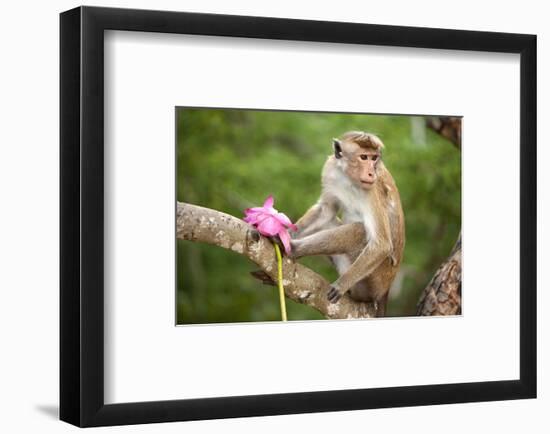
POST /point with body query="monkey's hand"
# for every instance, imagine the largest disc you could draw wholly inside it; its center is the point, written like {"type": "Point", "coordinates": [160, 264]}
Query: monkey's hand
{"type": "Point", "coordinates": [294, 235]}
{"type": "Point", "coordinates": [277, 240]}
{"type": "Point", "coordinates": [255, 235]}
{"type": "Point", "coordinates": [295, 249]}
{"type": "Point", "coordinates": [334, 294]}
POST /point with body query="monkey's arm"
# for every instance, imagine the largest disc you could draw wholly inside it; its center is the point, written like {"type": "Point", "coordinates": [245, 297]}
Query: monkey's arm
{"type": "Point", "coordinates": [319, 216]}
{"type": "Point", "coordinates": [374, 253]}
{"type": "Point", "coordinates": [368, 261]}
{"type": "Point", "coordinates": [347, 239]}
{"type": "Point", "coordinates": [342, 239]}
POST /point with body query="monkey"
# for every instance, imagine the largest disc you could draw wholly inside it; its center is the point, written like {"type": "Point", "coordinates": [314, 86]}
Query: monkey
{"type": "Point", "coordinates": [366, 244]}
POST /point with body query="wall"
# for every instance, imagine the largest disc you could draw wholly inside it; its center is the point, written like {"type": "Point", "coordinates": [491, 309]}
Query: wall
{"type": "Point", "coordinates": [29, 216]}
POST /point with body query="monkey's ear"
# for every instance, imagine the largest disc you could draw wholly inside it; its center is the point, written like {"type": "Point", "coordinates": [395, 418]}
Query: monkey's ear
{"type": "Point", "coordinates": [337, 148]}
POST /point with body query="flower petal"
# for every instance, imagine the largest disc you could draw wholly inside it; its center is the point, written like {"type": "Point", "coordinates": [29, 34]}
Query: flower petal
{"type": "Point", "coordinates": [254, 210]}
{"type": "Point", "coordinates": [269, 202]}
{"type": "Point", "coordinates": [286, 221]}
{"type": "Point", "coordinates": [251, 217]}
{"type": "Point", "coordinates": [270, 226]}
{"type": "Point", "coordinates": [256, 218]}
{"type": "Point", "coordinates": [285, 239]}
{"type": "Point", "coordinates": [261, 209]}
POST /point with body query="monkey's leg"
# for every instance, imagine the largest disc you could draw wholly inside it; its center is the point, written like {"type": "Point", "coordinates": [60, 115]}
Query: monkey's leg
{"type": "Point", "coordinates": [318, 217]}
{"type": "Point", "coordinates": [339, 240]}
{"type": "Point", "coordinates": [381, 305]}
{"type": "Point", "coordinates": [318, 227]}
{"type": "Point", "coordinates": [371, 290]}
{"type": "Point", "coordinates": [308, 223]}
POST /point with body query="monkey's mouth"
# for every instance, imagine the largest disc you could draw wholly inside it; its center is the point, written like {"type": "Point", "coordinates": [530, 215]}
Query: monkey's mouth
{"type": "Point", "coordinates": [367, 183]}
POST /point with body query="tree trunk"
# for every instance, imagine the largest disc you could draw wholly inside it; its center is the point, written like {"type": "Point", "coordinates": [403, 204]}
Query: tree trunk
{"type": "Point", "coordinates": [443, 295]}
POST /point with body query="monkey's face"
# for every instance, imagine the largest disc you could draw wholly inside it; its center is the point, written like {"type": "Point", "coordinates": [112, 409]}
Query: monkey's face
{"type": "Point", "coordinates": [361, 167]}
{"type": "Point", "coordinates": [359, 163]}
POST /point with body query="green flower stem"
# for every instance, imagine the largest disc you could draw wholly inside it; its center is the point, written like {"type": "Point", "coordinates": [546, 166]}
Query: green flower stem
{"type": "Point", "coordinates": [280, 281]}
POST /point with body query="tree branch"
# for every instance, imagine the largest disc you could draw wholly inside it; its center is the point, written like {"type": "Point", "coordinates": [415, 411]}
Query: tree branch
{"type": "Point", "coordinates": [448, 127]}
{"type": "Point", "coordinates": [303, 285]}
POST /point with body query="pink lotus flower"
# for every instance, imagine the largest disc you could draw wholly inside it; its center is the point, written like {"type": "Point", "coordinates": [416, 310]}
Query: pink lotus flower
{"type": "Point", "coordinates": [270, 222]}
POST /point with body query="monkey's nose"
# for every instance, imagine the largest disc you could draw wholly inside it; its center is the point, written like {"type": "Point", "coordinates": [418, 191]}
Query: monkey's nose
{"type": "Point", "coordinates": [369, 176]}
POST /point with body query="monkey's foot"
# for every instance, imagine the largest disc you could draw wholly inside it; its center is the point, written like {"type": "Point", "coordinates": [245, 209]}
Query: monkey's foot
{"type": "Point", "coordinates": [334, 294]}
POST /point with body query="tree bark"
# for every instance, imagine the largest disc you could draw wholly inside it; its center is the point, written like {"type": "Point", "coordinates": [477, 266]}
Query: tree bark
{"type": "Point", "coordinates": [443, 295]}
{"type": "Point", "coordinates": [303, 285]}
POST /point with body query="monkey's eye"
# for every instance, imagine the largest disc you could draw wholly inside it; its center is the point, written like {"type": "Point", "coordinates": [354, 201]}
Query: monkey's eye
{"type": "Point", "coordinates": [364, 157]}
{"type": "Point", "coordinates": [374, 157]}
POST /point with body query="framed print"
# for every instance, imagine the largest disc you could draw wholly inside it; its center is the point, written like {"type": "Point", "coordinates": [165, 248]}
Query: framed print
{"type": "Point", "coordinates": [265, 216]}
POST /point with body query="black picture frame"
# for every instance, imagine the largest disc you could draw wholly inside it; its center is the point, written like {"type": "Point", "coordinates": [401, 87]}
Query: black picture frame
{"type": "Point", "coordinates": [82, 211]}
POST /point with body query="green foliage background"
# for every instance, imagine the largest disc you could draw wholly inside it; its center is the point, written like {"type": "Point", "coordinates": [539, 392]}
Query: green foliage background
{"type": "Point", "coordinates": [233, 159]}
